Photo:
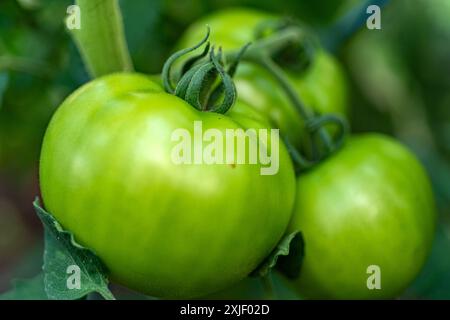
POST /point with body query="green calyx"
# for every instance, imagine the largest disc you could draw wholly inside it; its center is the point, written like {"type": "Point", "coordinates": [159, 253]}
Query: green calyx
{"type": "Point", "coordinates": [203, 82]}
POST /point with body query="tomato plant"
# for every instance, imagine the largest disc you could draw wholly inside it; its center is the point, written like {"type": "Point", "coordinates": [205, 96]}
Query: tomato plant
{"type": "Point", "coordinates": [369, 204]}
{"type": "Point", "coordinates": [168, 230]}
{"type": "Point", "coordinates": [357, 222]}
{"type": "Point", "coordinates": [321, 86]}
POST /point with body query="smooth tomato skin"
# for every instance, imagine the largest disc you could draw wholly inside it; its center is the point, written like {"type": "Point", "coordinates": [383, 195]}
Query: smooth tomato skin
{"type": "Point", "coordinates": [230, 28]}
{"type": "Point", "coordinates": [322, 87]}
{"type": "Point", "coordinates": [369, 204]}
{"type": "Point", "coordinates": [167, 230]}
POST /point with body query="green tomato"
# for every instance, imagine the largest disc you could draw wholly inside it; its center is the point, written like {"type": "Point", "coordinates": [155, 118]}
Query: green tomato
{"type": "Point", "coordinates": [230, 28]}
{"type": "Point", "coordinates": [371, 204]}
{"type": "Point", "coordinates": [322, 87]}
{"type": "Point", "coordinates": [168, 230]}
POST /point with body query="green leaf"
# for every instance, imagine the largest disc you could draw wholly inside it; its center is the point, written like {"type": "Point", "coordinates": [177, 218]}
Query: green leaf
{"type": "Point", "coordinates": [286, 257]}
{"type": "Point", "coordinates": [3, 85]}
{"type": "Point", "coordinates": [70, 270]}
{"type": "Point", "coordinates": [29, 289]}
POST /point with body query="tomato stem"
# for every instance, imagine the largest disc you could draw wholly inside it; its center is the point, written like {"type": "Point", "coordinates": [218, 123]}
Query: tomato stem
{"type": "Point", "coordinates": [283, 81]}
{"type": "Point", "coordinates": [272, 44]}
{"type": "Point", "coordinates": [261, 53]}
{"type": "Point", "coordinates": [313, 123]}
{"type": "Point", "coordinates": [101, 38]}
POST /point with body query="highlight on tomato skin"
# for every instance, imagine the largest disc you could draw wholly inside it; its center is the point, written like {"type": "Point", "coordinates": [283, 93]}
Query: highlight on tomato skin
{"type": "Point", "coordinates": [224, 151]}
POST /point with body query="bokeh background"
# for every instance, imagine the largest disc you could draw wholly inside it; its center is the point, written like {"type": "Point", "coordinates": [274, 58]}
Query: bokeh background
{"type": "Point", "coordinates": [400, 85]}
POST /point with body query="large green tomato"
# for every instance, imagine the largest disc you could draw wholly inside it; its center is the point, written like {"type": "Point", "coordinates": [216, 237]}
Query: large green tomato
{"type": "Point", "coordinates": [370, 204]}
{"type": "Point", "coordinates": [322, 86]}
{"type": "Point", "coordinates": [165, 229]}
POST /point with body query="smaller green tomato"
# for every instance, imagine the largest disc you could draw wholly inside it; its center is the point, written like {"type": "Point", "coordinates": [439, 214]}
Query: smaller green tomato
{"type": "Point", "coordinates": [371, 204]}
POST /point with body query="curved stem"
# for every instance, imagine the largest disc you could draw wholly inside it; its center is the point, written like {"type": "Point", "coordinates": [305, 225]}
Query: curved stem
{"type": "Point", "coordinates": [300, 162]}
{"type": "Point", "coordinates": [281, 78]}
{"type": "Point", "coordinates": [101, 38]}
{"type": "Point", "coordinates": [269, 45]}
{"type": "Point", "coordinates": [318, 122]}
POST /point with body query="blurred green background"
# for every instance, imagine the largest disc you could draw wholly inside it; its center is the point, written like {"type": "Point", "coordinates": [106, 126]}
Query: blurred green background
{"type": "Point", "coordinates": [400, 85]}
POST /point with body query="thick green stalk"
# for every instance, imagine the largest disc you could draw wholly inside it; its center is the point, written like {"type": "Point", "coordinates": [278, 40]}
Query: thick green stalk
{"type": "Point", "coordinates": [101, 38]}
